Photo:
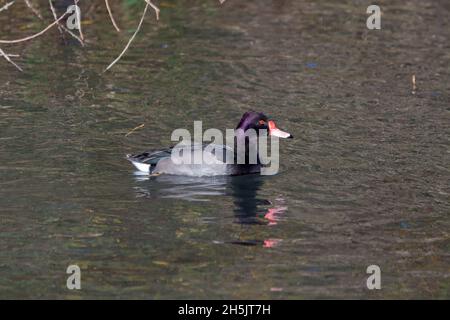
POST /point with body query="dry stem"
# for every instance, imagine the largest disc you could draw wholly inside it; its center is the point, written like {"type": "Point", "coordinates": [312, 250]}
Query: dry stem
{"type": "Point", "coordinates": [80, 31]}
{"type": "Point", "coordinates": [61, 27]}
{"type": "Point", "coordinates": [36, 34]}
{"type": "Point", "coordinates": [131, 39]}
{"type": "Point", "coordinates": [35, 11]}
{"type": "Point", "coordinates": [6, 6]}
{"type": "Point", "coordinates": [154, 8]}
{"type": "Point", "coordinates": [55, 17]}
{"type": "Point", "coordinates": [111, 16]}
{"type": "Point", "coordinates": [134, 129]}
{"type": "Point", "coordinates": [7, 57]}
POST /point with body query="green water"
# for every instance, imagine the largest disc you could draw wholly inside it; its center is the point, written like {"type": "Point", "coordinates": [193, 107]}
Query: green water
{"type": "Point", "coordinates": [365, 181]}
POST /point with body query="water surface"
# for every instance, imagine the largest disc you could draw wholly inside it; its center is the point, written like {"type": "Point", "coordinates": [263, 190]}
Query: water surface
{"type": "Point", "coordinates": [365, 181]}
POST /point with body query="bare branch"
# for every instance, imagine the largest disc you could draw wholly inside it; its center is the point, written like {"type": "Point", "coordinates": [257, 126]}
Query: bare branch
{"type": "Point", "coordinates": [131, 39]}
{"type": "Point", "coordinates": [61, 27]}
{"type": "Point", "coordinates": [73, 35]}
{"type": "Point", "coordinates": [79, 21]}
{"type": "Point", "coordinates": [6, 6]}
{"type": "Point", "coordinates": [36, 34]}
{"type": "Point", "coordinates": [35, 11]}
{"type": "Point", "coordinates": [111, 16]}
{"type": "Point", "coordinates": [55, 17]}
{"type": "Point", "coordinates": [6, 56]}
{"type": "Point", "coordinates": [134, 129]}
{"type": "Point", "coordinates": [154, 8]}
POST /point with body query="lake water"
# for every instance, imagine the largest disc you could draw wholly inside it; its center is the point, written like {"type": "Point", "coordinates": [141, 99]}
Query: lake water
{"type": "Point", "coordinates": [365, 181]}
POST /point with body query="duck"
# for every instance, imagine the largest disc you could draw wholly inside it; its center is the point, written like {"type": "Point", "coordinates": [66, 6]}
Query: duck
{"type": "Point", "coordinates": [163, 161]}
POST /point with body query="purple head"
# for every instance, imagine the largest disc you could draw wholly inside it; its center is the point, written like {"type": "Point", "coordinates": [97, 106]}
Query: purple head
{"type": "Point", "coordinates": [258, 120]}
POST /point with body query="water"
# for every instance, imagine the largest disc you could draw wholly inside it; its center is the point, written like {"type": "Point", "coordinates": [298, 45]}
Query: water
{"type": "Point", "coordinates": [365, 181]}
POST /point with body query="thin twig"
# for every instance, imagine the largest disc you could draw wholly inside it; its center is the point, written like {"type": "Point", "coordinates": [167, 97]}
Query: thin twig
{"type": "Point", "coordinates": [73, 35]}
{"type": "Point", "coordinates": [61, 27]}
{"type": "Point", "coordinates": [6, 6]}
{"type": "Point", "coordinates": [79, 20]}
{"type": "Point", "coordinates": [131, 39]}
{"type": "Point", "coordinates": [35, 11]}
{"type": "Point", "coordinates": [154, 8]}
{"type": "Point", "coordinates": [6, 56]}
{"type": "Point", "coordinates": [134, 129]}
{"type": "Point", "coordinates": [111, 16]}
{"type": "Point", "coordinates": [36, 34]}
{"type": "Point", "coordinates": [222, 1]}
{"type": "Point", "coordinates": [55, 16]}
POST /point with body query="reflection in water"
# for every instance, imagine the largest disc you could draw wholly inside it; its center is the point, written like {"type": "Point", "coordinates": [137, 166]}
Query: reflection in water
{"type": "Point", "coordinates": [244, 190]}
{"type": "Point", "coordinates": [364, 182]}
{"type": "Point", "coordinates": [249, 208]}
{"type": "Point", "coordinates": [273, 214]}
{"type": "Point", "coordinates": [180, 187]}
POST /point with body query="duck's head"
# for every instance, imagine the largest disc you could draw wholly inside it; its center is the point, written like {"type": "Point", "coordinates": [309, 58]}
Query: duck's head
{"type": "Point", "coordinates": [258, 120]}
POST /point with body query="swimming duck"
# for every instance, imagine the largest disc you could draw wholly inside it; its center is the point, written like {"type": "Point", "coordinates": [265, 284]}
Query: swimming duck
{"type": "Point", "coordinates": [164, 162]}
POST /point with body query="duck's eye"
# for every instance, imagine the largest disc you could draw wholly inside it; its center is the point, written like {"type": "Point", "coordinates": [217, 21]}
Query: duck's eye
{"type": "Point", "coordinates": [261, 122]}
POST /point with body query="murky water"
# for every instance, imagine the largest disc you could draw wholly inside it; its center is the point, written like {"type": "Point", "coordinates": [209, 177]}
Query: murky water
{"type": "Point", "coordinates": [365, 181]}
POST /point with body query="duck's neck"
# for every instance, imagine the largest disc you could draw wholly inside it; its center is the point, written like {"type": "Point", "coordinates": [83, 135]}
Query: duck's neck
{"type": "Point", "coordinates": [250, 149]}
